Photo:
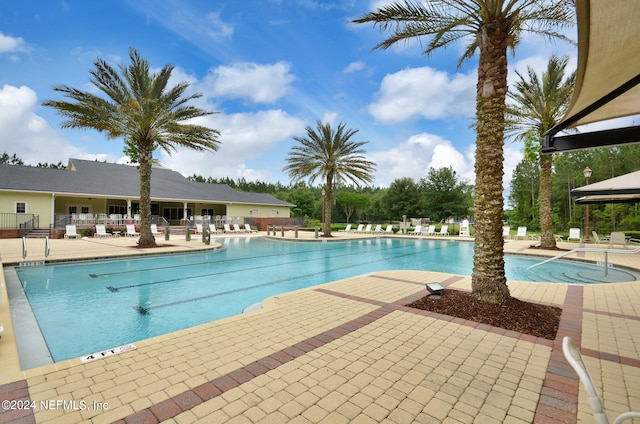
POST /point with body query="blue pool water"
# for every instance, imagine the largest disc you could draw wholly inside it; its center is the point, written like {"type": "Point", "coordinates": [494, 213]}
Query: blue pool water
{"type": "Point", "coordinates": [85, 307]}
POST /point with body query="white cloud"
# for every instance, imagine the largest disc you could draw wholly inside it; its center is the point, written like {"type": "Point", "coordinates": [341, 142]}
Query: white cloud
{"type": "Point", "coordinates": [252, 81]}
{"type": "Point", "coordinates": [413, 157]}
{"type": "Point", "coordinates": [424, 92]}
{"type": "Point", "coordinates": [244, 136]}
{"type": "Point", "coordinates": [27, 135]}
{"type": "Point", "coordinates": [354, 67]}
{"type": "Point", "coordinates": [10, 44]}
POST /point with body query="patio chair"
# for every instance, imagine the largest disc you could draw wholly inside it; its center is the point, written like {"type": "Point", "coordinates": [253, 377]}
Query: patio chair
{"type": "Point", "coordinates": [378, 228]}
{"type": "Point", "coordinates": [573, 356]}
{"type": "Point", "coordinates": [248, 229]}
{"type": "Point", "coordinates": [154, 230]}
{"type": "Point", "coordinates": [367, 229]}
{"type": "Point", "coordinates": [522, 233]}
{"type": "Point", "coordinates": [360, 228]}
{"type": "Point", "coordinates": [617, 238]}
{"type": "Point", "coordinates": [444, 231]}
{"type": "Point", "coordinates": [71, 232]}
{"type": "Point", "coordinates": [237, 229]}
{"type": "Point", "coordinates": [227, 228]}
{"type": "Point", "coordinates": [198, 230]}
{"type": "Point", "coordinates": [389, 229]}
{"type": "Point", "coordinates": [597, 239]}
{"type": "Point", "coordinates": [506, 232]}
{"type": "Point", "coordinates": [131, 231]}
{"type": "Point", "coordinates": [464, 229]}
{"type": "Point", "coordinates": [430, 231]}
{"type": "Point", "coordinates": [417, 230]}
{"type": "Point", "coordinates": [574, 234]}
{"type": "Point", "coordinates": [101, 231]}
{"type": "Point", "coordinates": [347, 229]}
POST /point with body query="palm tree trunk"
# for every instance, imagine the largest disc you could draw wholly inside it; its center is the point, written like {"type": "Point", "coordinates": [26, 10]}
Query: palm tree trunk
{"type": "Point", "coordinates": [488, 279]}
{"type": "Point", "coordinates": [546, 220]}
{"type": "Point", "coordinates": [145, 161]}
{"type": "Point", "coordinates": [326, 225]}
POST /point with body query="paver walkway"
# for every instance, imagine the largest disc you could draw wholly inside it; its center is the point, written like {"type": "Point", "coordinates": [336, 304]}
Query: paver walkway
{"type": "Point", "coordinates": [351, 351]}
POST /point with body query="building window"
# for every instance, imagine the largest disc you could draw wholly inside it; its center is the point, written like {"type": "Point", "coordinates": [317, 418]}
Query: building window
{"type": "Point", "coordinates": [21, 207]}
{"type": "Point", "coordinates": [117, 210]}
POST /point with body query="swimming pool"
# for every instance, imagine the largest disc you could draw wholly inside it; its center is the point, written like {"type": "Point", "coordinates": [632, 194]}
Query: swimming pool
{"type": "Point", "coordinates": [85, 307]}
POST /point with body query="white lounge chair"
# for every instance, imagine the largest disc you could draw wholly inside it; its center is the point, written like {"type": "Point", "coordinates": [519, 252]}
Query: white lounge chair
{"type": "Point", "coordinates": [378, 228]}
{"type": "Point", "coordinates": [444, 231]}
{"type": "Point", "coordinates": [522, 233]}
{"type": "Point", "coordinates": [227, 228]}
{"type": "Point", "coordinates": [617, 238]}
{"type": "Point", "coordinates": [237, 229]}
{"type": "Point", "coordinates": [367, 229]}
{"type": "Point", "coordinates": [131, 231]}
{"type": "Point", "coordinates": [574, 234]}
{"type": "Point", "coordinates": [429, 231]}
{"type": "Point", "coordinates": [101, 231]}
{"type": "Point", "coordinates": [389, 229]}
{"type": "Point", "coordinates": [248, 229]}
{"type": "Point", "coordinates": [198, 230]}
{"type": "Point", "coordinates": [464, 229]}
{"type": "Point", "coordinates": [506, 232]}
{"type": "Point", "coordinates": [416, 231]}
{"type": "Point", "coordinates": [360, 228]}
{"type": "Point", "coordinates": [154, 230]}
{"type": "Point", "coordinates": [347, 228]}
{"type": "Point", "coordinates": [212, 228]}
{"type": "Point", "coordinates": [70, 232]}
{"type": "Point", "coordinates": [573, 356]}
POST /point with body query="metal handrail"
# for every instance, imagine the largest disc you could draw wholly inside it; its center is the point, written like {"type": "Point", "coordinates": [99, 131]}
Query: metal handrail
{"type": "Point", "coordinates": [24, 247]}
{"type": "Point", "coordinates": [47, 247]}
{"type": "Point", "coordinates": [587, 249]}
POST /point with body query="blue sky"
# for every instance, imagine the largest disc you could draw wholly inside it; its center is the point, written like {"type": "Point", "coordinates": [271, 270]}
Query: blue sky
{"type": "Point", "coordinates": [267, 67]}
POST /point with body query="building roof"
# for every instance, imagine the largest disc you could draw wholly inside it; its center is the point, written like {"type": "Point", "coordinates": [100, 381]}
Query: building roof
{"type": "Point", "coordinates": [101, 179]}
{"type": "Point", "coordinates": [607, 79]}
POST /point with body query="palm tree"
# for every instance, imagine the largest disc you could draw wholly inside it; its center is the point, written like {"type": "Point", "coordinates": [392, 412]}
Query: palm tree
{"type": "Point", "coordinates": [538, 106]}
{"type": "Point", "coordinates": [490, 27]}
{"type": "Point", "coordinates": [331, 155]}
{"type": "Point", "coordinates": [139, 107]}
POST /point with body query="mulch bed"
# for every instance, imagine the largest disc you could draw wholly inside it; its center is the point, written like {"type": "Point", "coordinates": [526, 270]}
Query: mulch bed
{"type": "Point", "coordinates": [516, 315]}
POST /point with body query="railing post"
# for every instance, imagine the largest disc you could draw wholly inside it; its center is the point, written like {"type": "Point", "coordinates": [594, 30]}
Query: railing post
{"type": "Point", "coordinates": [24, 247]}
{"type": "Point", "coordinates": [316, 231]}
{"type": "Point", "coordinates": [282, 230]}
{"type": "Point", "coordinates": [187, 236]}
{"type": "Point", "coordinates": [47, 247]}
{"type": "Point", "coordinates": [295, 229]}
{"type": "Point", "coordinates": [606, 263]}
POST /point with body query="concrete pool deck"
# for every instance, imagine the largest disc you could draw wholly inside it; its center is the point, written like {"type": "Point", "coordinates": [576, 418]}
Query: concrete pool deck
{"type": "Point", "coordinates": [347, 351]}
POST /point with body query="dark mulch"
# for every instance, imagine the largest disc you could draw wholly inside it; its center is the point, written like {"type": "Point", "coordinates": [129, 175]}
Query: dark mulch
{"type": "Point", "coordinates": [524, 317]}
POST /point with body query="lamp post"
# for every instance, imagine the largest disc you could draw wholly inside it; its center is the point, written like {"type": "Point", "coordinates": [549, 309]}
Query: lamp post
{"type": "Point", "coordinates": [587, 174]}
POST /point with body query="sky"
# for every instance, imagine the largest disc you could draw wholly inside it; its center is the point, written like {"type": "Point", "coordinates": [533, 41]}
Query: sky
{"type": "Point", "coordinates": [266, 68]}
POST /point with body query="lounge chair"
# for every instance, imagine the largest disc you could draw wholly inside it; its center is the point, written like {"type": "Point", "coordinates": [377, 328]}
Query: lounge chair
{"type": "Point", "coordinates": [212, 228]}
{"type": "Point", "coordinates": [597, 239]}
{"type": "Point", "coordinates": [574, 358]}
{"type": "Point", "coordinates": [248, 229]}
{"type": "Point", "coordinates": [101, 231]}
{"type": "Point", "coordinates": [522, 233]}
{"type": "Point", "coordinates": [378, 228]}
{"type": "Point", "coordinates": [464, 229]}
{"type": "Point", "coordinates": [227, 228]}
{"type": "Point", "coordinates": [429, 231]}
{"type": "Point", "coordinates": [444, 231]}
{"type": "Point", "coordinates": [347, 229]}
{"type": "Point", "coordinates": [367, 229]}
{"type": "Point", "coordinates": [131, 231]}
{"type": "Point", "coordinates": [198, 230]}
{"type": "Point", "coordinates": [360, 228]}
{"type": "Point", "coordinates": [417, 231]}
{"type": "Point", "coordinates": [71, 232]}
{"type": "Point", "coordinates": [389, 229]}
{"type": "Point", "coordinates": [506, 232]}
{"type": "Point", "coordinates": [574, 234]}
{"type": "Point", "coordinates": [237, 229]}
{"type": "Point", "coordinates": [617, 238]}
{"type": "Point", "coordinates": [154, 230]}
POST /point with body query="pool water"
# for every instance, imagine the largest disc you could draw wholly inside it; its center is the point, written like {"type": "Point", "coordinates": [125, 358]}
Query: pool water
{"type": "Point", "coordinates": [85, 307]}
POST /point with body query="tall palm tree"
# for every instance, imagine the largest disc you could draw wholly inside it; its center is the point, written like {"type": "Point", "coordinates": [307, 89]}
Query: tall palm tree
{"type": "Point", "coordinates": [489, 27]}
{"type": "Point", "coordinates": [539, 104]}
{"type": "Point", "coordinates": [139, 107]}
{"type": "Point", "coordinates": [331, 155]}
